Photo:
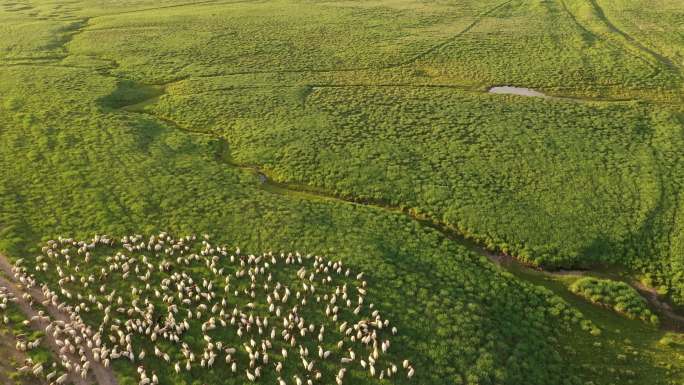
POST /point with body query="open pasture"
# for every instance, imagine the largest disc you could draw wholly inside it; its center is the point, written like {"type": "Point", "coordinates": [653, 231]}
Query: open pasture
{"type": "Point", "coordinates": [181, 305]}
{"type": "Point", "coordinates": [268, 37]}
{"type": "Point", "coordinates": [360, 131]}
{"type": "Point", "coordinates": [185, 184]}
{"type": "Point", "coordinates": [539, 179]}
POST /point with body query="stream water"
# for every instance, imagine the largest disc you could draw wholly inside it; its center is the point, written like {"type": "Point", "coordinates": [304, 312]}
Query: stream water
{"type": "Point", "coordinates": [674, 321]}
{"type": "Point", "coordinates": [521, 91]}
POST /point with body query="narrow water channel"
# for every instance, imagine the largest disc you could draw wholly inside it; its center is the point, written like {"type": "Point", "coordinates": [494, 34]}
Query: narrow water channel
{"type": "Point", "coordinates": [673, 321]}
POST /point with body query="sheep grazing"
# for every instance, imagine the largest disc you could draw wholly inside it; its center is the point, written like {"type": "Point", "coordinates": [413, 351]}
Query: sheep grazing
{"type": "Point", "coordinates": [7, 299]}
{"type": "Point", "coordinates": [163, 290]}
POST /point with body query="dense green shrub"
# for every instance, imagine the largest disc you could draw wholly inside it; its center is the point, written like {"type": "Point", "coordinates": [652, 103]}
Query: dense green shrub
{"type": "Point", "coordinates": [618, 296]}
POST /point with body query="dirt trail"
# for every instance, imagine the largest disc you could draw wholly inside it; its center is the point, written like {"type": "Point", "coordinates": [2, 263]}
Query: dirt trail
{"type": "Point", "coordinates": [9, 356]}
{"type": "Point", "coordinates": [38, 324]}
{"type": "Point", "coordinates": [102, 375]}
{"type": "Point", "coordinates": [673, 320]}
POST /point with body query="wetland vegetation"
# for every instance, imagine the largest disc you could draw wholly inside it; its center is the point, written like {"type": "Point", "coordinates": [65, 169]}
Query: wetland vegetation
{"type": "Point", "coordinates": [365, 133]}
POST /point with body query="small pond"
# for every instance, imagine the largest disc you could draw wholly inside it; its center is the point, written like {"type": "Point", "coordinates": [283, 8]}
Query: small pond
{"type": "Point", "coordinates": [516, 91]}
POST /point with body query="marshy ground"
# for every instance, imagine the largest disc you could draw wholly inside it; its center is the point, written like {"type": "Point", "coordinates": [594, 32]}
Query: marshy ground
{"type": "Point", "coordinates": [366, 132]}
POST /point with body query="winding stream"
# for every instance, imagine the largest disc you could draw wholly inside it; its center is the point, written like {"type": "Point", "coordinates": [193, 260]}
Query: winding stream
{"type": "Point", "coordinates": [670, 320]}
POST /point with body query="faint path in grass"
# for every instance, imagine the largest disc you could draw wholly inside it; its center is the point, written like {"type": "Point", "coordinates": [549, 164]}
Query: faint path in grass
{"type": "Point", "coordinates": [82, 25]}
{"type": "Point", "coordinates": [209, 2]}
{"type": "Point", "coordinates": [160, 8]}
{"type": "Point", "coordinates": [657, 56]}
{"type": "Point", "coordinates": [649, 57]}
{"type": "Point", "coordinates": [398, 64]}
{"type": "Point", "coordinates": [84, 22]}
{"type": "Point", "coordinates": [450, 40]}
{"type": "Point", "coordinates": [656, 70]}
{"type": "Point", "coordinates": [102, 375]}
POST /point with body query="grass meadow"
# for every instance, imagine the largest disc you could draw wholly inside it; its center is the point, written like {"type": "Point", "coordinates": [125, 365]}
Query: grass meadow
{"type": "Point", "coordinates": [360, 131]}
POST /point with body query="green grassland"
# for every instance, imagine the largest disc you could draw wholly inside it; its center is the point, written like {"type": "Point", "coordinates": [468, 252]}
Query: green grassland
{"type": "Point", "coordinates": [171, 179]}
{"type": "Point", "coordinates": [557, 183]}
{"type": "Point", "coordinates": [143, 116]}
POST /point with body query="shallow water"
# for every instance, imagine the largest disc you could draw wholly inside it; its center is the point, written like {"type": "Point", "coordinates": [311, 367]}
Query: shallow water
{"type": "Point", "coordinates": [516, 91]}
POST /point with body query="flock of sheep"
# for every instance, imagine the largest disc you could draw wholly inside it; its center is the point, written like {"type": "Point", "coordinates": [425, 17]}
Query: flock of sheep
{"type": "Point", "coordinates": [23, 344]}
{"type": "Point", "coordinates": [154, 301]}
